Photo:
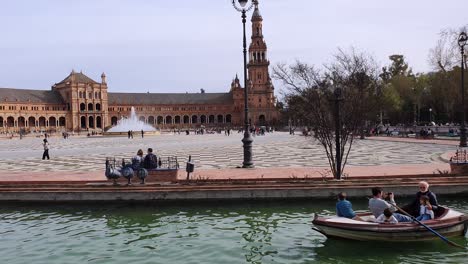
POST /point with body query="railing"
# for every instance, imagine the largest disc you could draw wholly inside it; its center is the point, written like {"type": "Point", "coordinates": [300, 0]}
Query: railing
{"type": "Point", "coordinates": [163, 162]}
{"type": "Point", "coordinates": [459, 157]}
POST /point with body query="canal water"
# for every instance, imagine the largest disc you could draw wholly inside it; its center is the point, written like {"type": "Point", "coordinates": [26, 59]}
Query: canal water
{"type": "Point", "coordinates": [228, 232]}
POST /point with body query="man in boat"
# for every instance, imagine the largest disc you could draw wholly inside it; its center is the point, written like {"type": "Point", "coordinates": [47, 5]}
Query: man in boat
{"type": "Point", "coordinates": [377, 205]}
{"type": "Point", "coordinates": [414, 207]}
{"type": "Point", "coordinates": [344, 208]}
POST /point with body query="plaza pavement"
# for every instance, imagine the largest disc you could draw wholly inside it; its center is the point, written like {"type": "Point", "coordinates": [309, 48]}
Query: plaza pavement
{"type": "Point", "coordinates": [216, 156]}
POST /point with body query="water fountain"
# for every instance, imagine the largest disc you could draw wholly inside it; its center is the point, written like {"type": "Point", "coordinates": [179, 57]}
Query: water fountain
{"type": "Point", "coordinates": [131, 123]}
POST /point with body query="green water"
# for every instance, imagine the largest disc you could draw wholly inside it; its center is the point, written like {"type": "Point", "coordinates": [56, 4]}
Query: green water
{"type": "Point", "coordinates": [266, 232]}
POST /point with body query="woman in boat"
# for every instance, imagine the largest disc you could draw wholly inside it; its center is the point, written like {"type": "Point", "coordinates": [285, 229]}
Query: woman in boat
{"type": "Point", "coordinates": [344, 208]}
{"type": "Point", "coordinates": [425, 210]}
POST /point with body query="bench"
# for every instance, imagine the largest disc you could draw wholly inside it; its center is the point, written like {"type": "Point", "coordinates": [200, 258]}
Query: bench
{"type": "Point", "coordinates": [167, 171]}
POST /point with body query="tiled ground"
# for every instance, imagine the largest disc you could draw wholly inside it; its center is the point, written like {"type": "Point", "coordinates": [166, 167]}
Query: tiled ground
{"type": "Point", "coordinates": [208, 151]}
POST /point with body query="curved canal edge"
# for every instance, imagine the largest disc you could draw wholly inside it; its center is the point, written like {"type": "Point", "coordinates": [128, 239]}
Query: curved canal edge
{"type": "Point", "coordinates": [247, 189]}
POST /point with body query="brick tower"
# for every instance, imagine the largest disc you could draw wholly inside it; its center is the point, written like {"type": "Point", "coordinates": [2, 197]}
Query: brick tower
{"type": "Point", "coordinates": [261, 91]}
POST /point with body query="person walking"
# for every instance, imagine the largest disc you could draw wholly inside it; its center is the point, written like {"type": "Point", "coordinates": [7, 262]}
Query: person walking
{"type": "Point", "coordinates": [45, 144]}
{"type": "Point", "coordinates": [142, 133]}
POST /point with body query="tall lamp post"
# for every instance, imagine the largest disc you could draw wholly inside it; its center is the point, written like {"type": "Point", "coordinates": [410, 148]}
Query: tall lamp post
{"type": "Point", "coordinates": [244, 7]}
{"type": "Point", "coordinates": [430, 116]}
{"type": "Point", "coordinates": [462, 42]}
{"type": "Point", "coordinates": [337, 99]}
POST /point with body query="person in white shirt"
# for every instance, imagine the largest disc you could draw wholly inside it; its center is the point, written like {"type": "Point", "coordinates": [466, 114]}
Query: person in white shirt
{"type": "Point", "coordinates": [425, 210]}
{"type": "Point", "coordinates": [387, 217]}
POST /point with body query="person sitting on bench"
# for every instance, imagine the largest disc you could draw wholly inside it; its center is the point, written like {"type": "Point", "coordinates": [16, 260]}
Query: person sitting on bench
{"type": "Point", "coordinates": [150, 161]}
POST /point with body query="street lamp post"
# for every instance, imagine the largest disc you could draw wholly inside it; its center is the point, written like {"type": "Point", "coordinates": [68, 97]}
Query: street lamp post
{"type": "Point", "coordinates": [462, 42]}
{"type": "Point", "coordinates": [430, 115]}
{"type": "Point", "coordinates": [247, 140]}
{"type": "Point", "coordinates": [337, 100]}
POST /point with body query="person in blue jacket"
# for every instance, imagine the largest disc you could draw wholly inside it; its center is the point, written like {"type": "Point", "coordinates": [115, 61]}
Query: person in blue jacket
{"type": "Point", "coordinates": [344, 208]}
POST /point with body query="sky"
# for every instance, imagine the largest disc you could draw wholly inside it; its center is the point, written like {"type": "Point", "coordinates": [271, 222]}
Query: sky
{"type": "Point", "coordinates": [185, 45]}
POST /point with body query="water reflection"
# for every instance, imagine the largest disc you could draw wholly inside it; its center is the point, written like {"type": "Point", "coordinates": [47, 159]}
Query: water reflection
{"type": "Point", "coordinates": [273, 232]}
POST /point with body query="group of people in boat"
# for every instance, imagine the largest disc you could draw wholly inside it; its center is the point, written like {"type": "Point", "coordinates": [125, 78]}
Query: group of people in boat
{"type": "Point", "coordinates": [422, 208]}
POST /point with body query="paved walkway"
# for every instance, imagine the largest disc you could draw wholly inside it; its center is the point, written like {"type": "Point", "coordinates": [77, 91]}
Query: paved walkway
{"type": "Point", "coordinates": [209, 152]}
{"type": "Point", "coordinates": [277, 155]}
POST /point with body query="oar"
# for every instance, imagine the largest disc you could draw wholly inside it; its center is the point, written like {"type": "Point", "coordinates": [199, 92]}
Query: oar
{"type": "Point", "coordinates": [430, 229]}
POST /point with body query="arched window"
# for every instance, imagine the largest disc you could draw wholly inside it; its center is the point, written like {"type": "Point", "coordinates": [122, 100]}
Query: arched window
{"type": "Point", "coordinates": [142, 119]}
{"type": "Point", "coordinates": [1, 121]}
{"type": "Point", "coordinates": [262, 120]}
{"type": "Point", "coordinates": [211, 119]}
{"type": "Point", "coordinates": [90, 107]}
{"type": "Point", "coordinates": [98, 107]}
{"type": "Point", "coordinates": [42, 121]}
{"type": "Point", "coordinates": [114, 121]}
{"type": "Point", "coordinates": [177, 119]}
{"type": "Point", "coordinates": [31, 121]}
{"type": "Point", "coordinates": [194, 119]}
{"type": "Point", "coordinates": [62, 121]}
{"type": "Point", "coordinates": [228, 118]}
{"type": "Point", "coordinates": [82, 107]}
{"type": "Point", "coordinates": [52, 121]}
{"type": "Point", "coordinates": [83, 122]}
{"type": "Point", "coordinates": [203, 119]}
{"type": "Point", "coordinates": [160, 120]}
{"type": "Point", "coordinates": [220, 119]}
{"type": "Point", "coordinates": [151, 120]}
{"type": "Point", "coordinates": [98, 122]}
{"type": "Point", "coordinates": [186, 119]}
{"type": "Point", "coordinates": [168, 119]}
{"type": "Point", "coordinates": [10, 121]}
{"type": "Point", "coordinates": [91, 122]}
{"type": "Point", "coordinates": [21, 121]}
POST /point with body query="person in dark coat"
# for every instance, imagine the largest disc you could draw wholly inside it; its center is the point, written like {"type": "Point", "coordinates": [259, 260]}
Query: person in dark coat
{"type": "Point", "coordinates": [424, 190]}
{"type": "Point", "coordinates": [45, 144]}
{"type": "Point", "coordinates": [150, 161]}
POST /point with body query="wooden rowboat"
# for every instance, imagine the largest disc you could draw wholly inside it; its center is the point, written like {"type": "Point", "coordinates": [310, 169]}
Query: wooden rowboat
{"type": "Point", "coordinates": [450, 223]}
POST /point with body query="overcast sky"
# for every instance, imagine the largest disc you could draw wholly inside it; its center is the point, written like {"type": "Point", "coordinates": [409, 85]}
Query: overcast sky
{"type": "Point", "coordinates": [185, 45]}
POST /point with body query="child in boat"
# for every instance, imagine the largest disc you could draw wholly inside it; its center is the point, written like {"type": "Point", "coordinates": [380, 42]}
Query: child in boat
{"type": "Point", "coordinates": [344, 208]}
{"type": "Point", "coordinates": [387, 217]}
{"type": "Point", "coordinates": [425, 210]}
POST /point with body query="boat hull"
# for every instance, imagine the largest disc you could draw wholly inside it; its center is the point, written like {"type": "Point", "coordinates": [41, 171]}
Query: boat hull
{"type": "Point", "coordinates": [454, 224]}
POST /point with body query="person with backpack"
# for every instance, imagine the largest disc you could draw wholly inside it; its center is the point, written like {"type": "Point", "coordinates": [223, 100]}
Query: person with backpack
{"type": "Point", "coordinates": [150, 161]}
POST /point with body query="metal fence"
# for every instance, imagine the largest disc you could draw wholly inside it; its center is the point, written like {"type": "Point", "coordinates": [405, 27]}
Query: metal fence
{"type": "Point", "coordinates": [170, 162]}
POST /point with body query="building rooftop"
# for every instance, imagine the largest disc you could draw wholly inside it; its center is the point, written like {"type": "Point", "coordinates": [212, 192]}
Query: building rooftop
{"type": "Point", "coordinates": [79, 78]}
{"type": "Point", "coordinates": [34, 96]}
{"type": "Point", "coordinates": [169, 98]}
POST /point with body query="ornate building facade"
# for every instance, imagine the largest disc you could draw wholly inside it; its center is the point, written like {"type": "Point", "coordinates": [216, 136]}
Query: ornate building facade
{"type": "Point", "coordinates": [79, 103]}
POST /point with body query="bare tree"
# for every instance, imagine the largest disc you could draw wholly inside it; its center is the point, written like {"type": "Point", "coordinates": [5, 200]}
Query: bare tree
{"type": "Point", "coordinates": [311, 97]}
{"type": "Point", "coordinates": [446, 54]}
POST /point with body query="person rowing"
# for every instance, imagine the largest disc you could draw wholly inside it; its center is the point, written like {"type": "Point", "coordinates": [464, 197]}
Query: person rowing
{"type": "Point", "coordinates": [377, 205]}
